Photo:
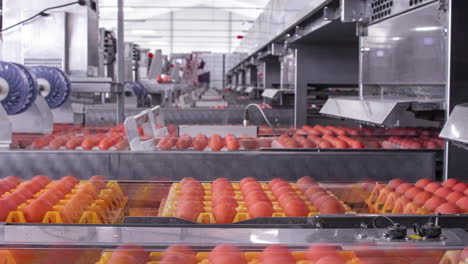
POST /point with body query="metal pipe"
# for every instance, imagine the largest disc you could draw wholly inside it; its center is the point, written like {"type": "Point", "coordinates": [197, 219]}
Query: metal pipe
{"type": "Point", "coordinates": [120, 62]}
{"type": "Point", "coordinates": [246, 116]}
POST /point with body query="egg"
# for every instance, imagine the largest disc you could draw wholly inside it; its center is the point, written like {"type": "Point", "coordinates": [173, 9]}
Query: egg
{"type": "Point", "coordinates": [448, 208]}
{"type": "Point", "coordinates": [228, 259]}
{"type": "Point", "coordinates": [179, 250]}
{"type": "Point", "coordinates": [443, 192]}
{"type": "Point", "coordinates": [256, 196]}
{"type": "Point", "coordinates": [26, 191]}
{"type": "Point", "coordinates": [460, 187]}
{"type": "Point", "coordinates": [188, 213]}
{"type": "Point", "coordinates": [225, 199]}
{"type": "Point", "coordinates": [295, 208]}
{"type": "Point", "coordinates": [316, 252]}
{"type": "Point", "coordinates": [312, 198]}
{"type": "Point", "coordinates": [224, 213]}
{"type": "Point", "coordinates": [274, 181]}
{"type": "Point", "coordinates": [261, 209]}
{"type": "Point", "coordinates": [412, 192]}
{"type": "Point", "coordinates": [275, 251]}
{"type": "Point", "coordinates": [368, 251]}
{"type": "Point", "coordinates": [14, 181]}
{"type": "Point", "coordinates": [41, 180]}
{"type": "Point", "coordinates": [393, 184]}
{"type": "Point", "coordinates": [122, 259]}
{"type": "Point", "coordinates": [283, 186]}
{"type": "Point", "coordinates": [306, 182]}
{"type": "Point", "coordinates": [463, 204]}
{"type": "Point", "coordinates": [176, 259]}
{"type": "Point", "coordinates": [453, 197]}
{"type": "Point", "coordinates": [423, 183]}
{"type": "Point", "coordinates": [449, 183]}
{"type": "Point", "coordinates": [286, 197]}
{"type": "Point", "coordinates": [434, 202]}
{"type": "Point", "coordinates": [318, 202]}
{"type": "Point", "coordinates": [432, 187]}
{"type": "Point", "coordinates": [313, 189]}
{"type": "Point", "coordinates": [332, 207]}
{"type": "Point", "coordinates": [6, 206]}
{"type": "Point", "coordinates": [31, 186]}
{"type": "Point", "coordinates": [402, 188]}
{"type": "Point", "coordinates": [331, 260]}
{"type": "Point", "coordinates": [221, 181]}
{"type": "Point", "coordinates": [225, 250]}
{"type": "Point", "coordinates": [466, 192]}
{"type": "Point", "coordinates": [187, 179]}
{"type": "Point", "coordinates": [16, 197]}
{"type": "Point", "coordinates": [98, 181]}
{"type": "Point", "coordinates": [246, 180]}
{"type": "Point", "coordinates": [70, 179]}
{"type": "Point", "coordinates": [422, 197]}
{"type": "Point", "coordinates": [251, 186]}
{"type": "Point", "coordinates": [136, 251]}
{"type": "Point", "coordinates": [36, 210]}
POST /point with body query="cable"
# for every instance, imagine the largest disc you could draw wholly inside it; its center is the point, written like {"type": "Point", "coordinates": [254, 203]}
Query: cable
{"type": "Point", "coordinates": [381, 216]}
{"type": "Point", "coordinates": [42, 13]}
{"type": "Point", "coordinates": [246, 118]}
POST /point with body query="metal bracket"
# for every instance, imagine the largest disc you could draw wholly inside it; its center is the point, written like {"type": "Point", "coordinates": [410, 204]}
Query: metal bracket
{"type": "Point", "coordinates": [37, 119]}
{"type": "Point", "coordinates": [5, 130]}
{"type": "Point", "coordinates": [331, 13]}
{"type": "Point", "coordinates": [443, 5]}
{"type": "Point", "coordinates": [152, 123]}
{"type": "Point", "coordinates": [353, 11]}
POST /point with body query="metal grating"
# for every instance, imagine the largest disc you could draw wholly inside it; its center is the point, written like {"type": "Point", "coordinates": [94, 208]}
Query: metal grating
{"type": "Point", "coordinates": [57, 63]}
{"type": "Point", "coordinates": [381, 9]}
{"type": "Point", "coordinates": [416, 2]}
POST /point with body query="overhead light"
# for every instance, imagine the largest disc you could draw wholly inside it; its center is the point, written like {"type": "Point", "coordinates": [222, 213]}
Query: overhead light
{"type": "Point", "coordinates": [396, 38]}
{"type": "Point", "coordinates": [143, 31]}
{"type": "Point", "coordinates": [422, 29]}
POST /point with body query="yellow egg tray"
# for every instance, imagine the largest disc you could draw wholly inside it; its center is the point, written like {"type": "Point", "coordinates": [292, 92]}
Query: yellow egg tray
{"type": "Point", "coordinates": [169, 207]}
{"type": "Point", "coordinates": [108, 208]}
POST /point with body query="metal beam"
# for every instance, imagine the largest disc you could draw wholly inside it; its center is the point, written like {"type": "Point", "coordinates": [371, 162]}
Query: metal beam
{"type": "Point", "coordinates": [120, 63]}
{"type": "Point", "coordinates": [182, 19]}
{"type": "Point", "coordinates": [200, 7]}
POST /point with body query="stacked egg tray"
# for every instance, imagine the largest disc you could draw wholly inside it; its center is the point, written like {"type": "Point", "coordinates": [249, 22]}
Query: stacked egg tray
{"type": "Point", "coordinates": [107, 208]}
{"type": "Point", "coordinates": [169, 206]}
{"type": "Point", "coordinates": [388, 199]}
{"type": "Point", "coordinates": [447, 257]}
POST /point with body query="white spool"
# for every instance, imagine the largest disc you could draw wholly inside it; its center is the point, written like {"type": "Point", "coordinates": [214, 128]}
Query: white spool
{"type": "Point", "coordinates": [44, 87]}
{"type": "Point", "coordinates": [4, 89]}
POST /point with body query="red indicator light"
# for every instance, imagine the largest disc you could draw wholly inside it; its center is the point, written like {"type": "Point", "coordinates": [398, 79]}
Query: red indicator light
{"type": "Point", "coordinates": [240, 37]}
{"type": "Point", "coordinates": [150, 55]}
{"type": "Point", "coordinates": [172, 65]}
{"type": "Point", "coordinates": [261, 74]}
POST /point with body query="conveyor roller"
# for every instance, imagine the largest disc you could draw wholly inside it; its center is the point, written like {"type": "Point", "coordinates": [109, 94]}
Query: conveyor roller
{"type": "Point", "coordinates": [54, 85]}
{"type": "Point", "coordinates": [18, 88]}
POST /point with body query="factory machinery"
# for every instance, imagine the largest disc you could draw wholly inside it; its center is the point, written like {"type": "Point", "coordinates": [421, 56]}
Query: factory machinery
{"type": "Point", "coordinates": [382, 182]}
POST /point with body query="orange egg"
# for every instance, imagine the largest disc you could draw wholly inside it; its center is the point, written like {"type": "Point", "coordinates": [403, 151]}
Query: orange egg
{"type": "Point", "coordinates": [423, 183]}
{"type": "Point", "coordinates": [434, 202]}
{"type": "Point", "coordinates": [70, 179]}
{"type": "Point", "coordinates": [274, 181]}
{"type": "Point", "coordinates": [305, 182]}
{"type": "Point", "coordinates": [281, 186]}
{"type": "Point", "coordinates": [196, 205]}
{"type": "Point", "coordinates": [286, 197]}
{"type": "Point", "coordinates": [282, 190]}
{"type": "Point", "coordinates": [318, 251]}
{"type": "Point", "coordinates": [278, 260]}
{"type": "Point", "coordinates": [179, 250]}
{"type": "Point", "coordinates": [51, 196]}
{"type": "Point", "coordinates": [225, 199]}
{"type": "Point", "coordinates": [123, 259]}
{"type": "Point", "coordinates": [312, 198]}
{"type": "Point", "coordinates": [261, 209]}
{"type": "Point", "coordinates": [221, 181]}
{"type": "Point", "coordinates": [136, 251]}
{"type": "Point", "coordinates": [225, 250]}
{"type": "Point", "coordinates": [276, 254]}
{"type": "Point", "coordinates": [256, 196]}
{"type": "Point", "coordinates": [98, 181]}
{"type": "Point", "coordinates": [36, 210]}
{"type": "Point", "coordinates": [443, 192]}
{"type": "Point", "coordinates": [450, 183]}
{"type": "Point", "coordinates": [319, 201]}
{"type": "Point", "coordinates": [460, 187]}
{"type": "Point", "coordinates": [463, 204]}
{"type": "Point", "coordinates": [332, 207]}
{"type": "Point", "coordinates": [89, 189]}
{"type": "Point", "coordinates": [31, 186]}
{"type": "Point", "coordinates": [466, 192]}
{"type": "Point", "coordinates": [176, 259]}
{"type": "Point", "coordinates": [224, 213]}
{"type": "Point", "coordinates": [41, 179]}
{"type": "Point", "coordinates": [228, 259]}
{"type": "Point", "coordinates": [6, 206]}
{"type": "Point", "coordinates": [313, 189]}
{"type": "Point", "coordinates": [422, 197]}
{"type": "Point", "coordinates": [16, 198]}
{"type": "Point", "coordinates": [250, 187]}
{"type": "Point", "coordinates": [62, 187]}
{"type": "Point", "coordinates": [432, 187]}
{"type": "Point", "coordinates": [453, 197]}
{"type": "Point", "coordinates": [393, 184]}
{"type": "Point", "coordinates": [295, 208]}
{"type": "Point", "coordinates": [26, 191]}
{"type": "Point", "coordinates": [14, 181]}
{"type": "Point", "coordinates": [245, 181]}
{"type": "Point", "coordinates": [412, 192]}
{"type": "Point", "coordinates": [188, 213]}
{"type": "Point", "coordinates": [4, 188]}
{"type": "Point", "coordinates": [192, 186]}
{"type": "Point", "coordinates": [402, 188]}
{"type": "Point", "coordinates": [331, 260]}
{"type": "Point", "coordinates": [448, 208]}
{"type": "Point", "coordinates": [187, 179]}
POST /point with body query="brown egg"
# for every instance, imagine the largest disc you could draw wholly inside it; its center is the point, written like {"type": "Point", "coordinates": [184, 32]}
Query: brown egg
{"type": "Point", "coordinates": [412, 192]}
{"type": "Point", "coordinates": [450, 183]}
{"type": "Point", "coordinates": [422, 197]}
{"type": "Point", "coordinates": [393, 184]}
{"type": "Point", "coordinates": [315, 196]}
{"type": "Point", "coordinates": [332, 207]}
{"type": "Point", "coordinates": [443, 192]}
{"type": "Point", "coordinates": [463, 204]}
{"type": "Point", "coordinates": [318, 251]}
{"type": "Point", "coordinates": [448, 208]}
{"type": "Point", "coordinates": [434, 202]}
{"type": "Point", "coordinates": [261, 209]}
{"type": "Point", "coordinates": [319, 201]}
{"type": "Point", "coordinates": [402, 188]}
{"type": "Point", "coordinates": [454, 197]}
{"type": "Point", "coordinates": [331, 260]}
{"type": "Point", "coordinates": [432, 187]}
{"type": "Point", "coordinates": [313, 189]}
{"type": "Point", "coordinates": [423, 183]}
{"type": "Point", "coordinates": [295, 208]}
{"type": "Point", "coordinates": [460, 187]}
{"type": "Point", "coordinates": [224, 213]}
{"type": "Point", "coordinates": [305, 182]}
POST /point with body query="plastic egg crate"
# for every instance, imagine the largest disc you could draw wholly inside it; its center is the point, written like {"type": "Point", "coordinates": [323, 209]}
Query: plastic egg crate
{"type": "Point", "coordinates": [106, 209]}
{"type": "Point", "coordinates": [170, 204]}
{"type": "Point", "coordinates": [383, 201]}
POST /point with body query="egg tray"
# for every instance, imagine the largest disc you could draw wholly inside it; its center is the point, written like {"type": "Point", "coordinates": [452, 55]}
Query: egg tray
{"type": "Point", "coordinates": [107, 209]}
{"type": "Point", "coordinates": [34, 256]}
{"type": "Point", "coordinates": [251, 257]}
{"type": "Point", "coordinates": [170, 204]}
{"type": "Point", "coordinates": [448, 257]}
{"type": "Point", "coordinates": [382, 201]}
